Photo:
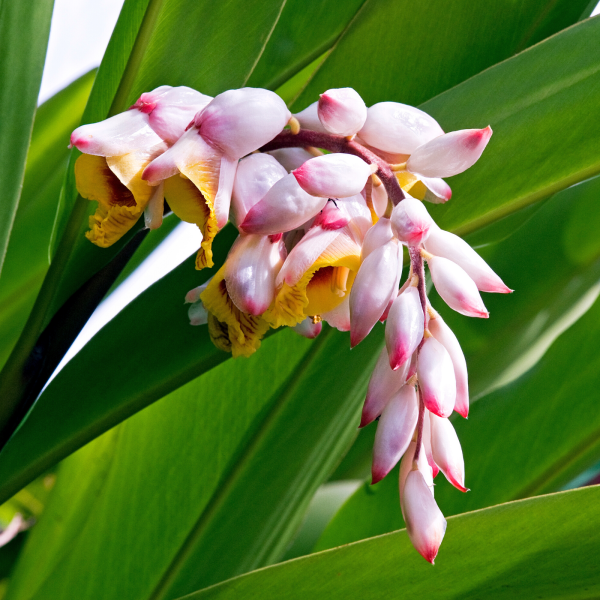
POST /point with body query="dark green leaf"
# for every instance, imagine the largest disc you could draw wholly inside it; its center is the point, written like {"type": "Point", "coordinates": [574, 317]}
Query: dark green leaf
{"type": "Point", "coordinates": [226, 466]}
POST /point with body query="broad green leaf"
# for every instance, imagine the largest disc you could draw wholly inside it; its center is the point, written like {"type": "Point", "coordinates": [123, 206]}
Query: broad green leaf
{"type": "Point", "coordinates": [24, 29]}
{"type": "Point", "coordinates": [409, 52]}
{"type": "Point", "coordinates": [541, 548]}
{"type": "Point", "coordinates": [226, 465]}
{"type": "Point", "coordinates": [163, 352]}
{"type": "Point", "coordinates": [27, 254]}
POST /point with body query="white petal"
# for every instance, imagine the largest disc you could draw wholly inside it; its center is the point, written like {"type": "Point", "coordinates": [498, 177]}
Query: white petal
{"type": "Point", "coordinates": [394, 431]}
{"type": "Point", "coordinates": [339, 317]}
{"type": "Point", "coordinates": [443, 334]}
{"type": "Point", "coordinates": [456, 288]}
{"type": "Point", "coordinates": [398, 128]}
{"type": "Point", "coordinates": [447, 452]}
{"type": "Point", "coordinates": [197, 314]}
{"type": "Point", "coordinates": [241, 121]}
{"type": "Point", "coordinates": [450, 246]}
{"type": "Point", "coordinates": [406, 467]}
{"type": "Point", "coordinates": [309, 118]}
{"type": "Point", "coordinates": [438, 191]}
{"type": "Point", "coordinates": [342, 111]}
{"type": "Point", "coordinates": [333, 175]}
{"type": "Point", "coordinates": [250, 270]}
{"type": "Point", "coordinates": [436, 378]}
{"type": "Point", "coordinates": [174, 110]}
{"type": "Point", "coordinates": [153, 213]}
{"type": "Point", "coordinates": [425, 523]}
{"type": "Point", "coordinates": [121, 134]}
{"type": "Point", "coordinates": [377, 236]}
{"type": "Point", "coordinates": [411, 221]}
{"type": "Point", "coordinates": [372, 289]}
{"type": "Point", "coordinates": [379, 198]}
{"type": "Point", "coordinates": [223, 195]}
{"type": "Point", "coordinates": [285, 206]}
{"type": "Point", "coordinates": [427, 442]}
{"type": "Point", "coordinates": [355, 209]}
{"type": "Point", "coordinates": [384, 383]}
{"type": "Point", "coordinates": [449, 154]}
{"type": "Point", "coordinates": [255, 176]}
{"type": "Point", "coordinates": [308, 329]}
{"type": "Point", "coordinates": [404, 327]}
{"type": "Point", "coordinates": [291, 158]}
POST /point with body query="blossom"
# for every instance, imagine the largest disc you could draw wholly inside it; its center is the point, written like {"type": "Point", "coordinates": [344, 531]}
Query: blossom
{"type": "Point", "coordinates": [232, 125]}
{"type": "Point", "coordinates": [117, 150]}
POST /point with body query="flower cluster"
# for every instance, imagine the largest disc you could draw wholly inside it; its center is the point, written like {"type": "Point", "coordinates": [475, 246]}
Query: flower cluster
{"type": "Point", "coordinates": [325, 202]}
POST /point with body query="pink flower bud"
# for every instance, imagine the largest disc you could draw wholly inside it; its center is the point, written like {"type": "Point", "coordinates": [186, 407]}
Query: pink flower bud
{"type": "Point", "coordinates": [436, 378]}
{"type": "Point", "coordinates": [158, 116]}
{"type": "Point", "coordinates": [449, 154]}
{"type": "Point", "coordinates": [438, 191]}
{"type": "Point", "coordinates": [123, 133]}
{"type": "Point", "coordinates": [450, 246]}
{"type": "Point", "coordinates": [377, 236]}
{"type": "Point", "coordinates": [425, 523]}
{"type": "Point", "coordinates": [456, 288]}
{"type": "Point", "coordinates": [250, 270]}
{"type": "Point", "coordinates": [291, 158]}
{"type": "Point", "coordinates": [398, 128]}
{"type": "Point", "coordinates": [404, 327]}
{"type": "Point", "coordinates": [443, 334]}
{"type": "Point", "coordinates": [283, 208]}
{"type": "Point", "coordinates": [256, 175]}
{"type": "Point", "coordinates": [384, 383]}
{"type": "Point", "coordinates": [406, 467]}
{"type": "Point", "coordinates": [309, 118]}
{"type": "Point", "coordinates": [342, 111]}
{"type": "Point", "coordinates": [394, 431]}
{"type": "Point", "coordinates": [447, 452]}
{"type": "Point", "coordinates": [333, 175]}
{"type": "Point", "coordinates": [308, 329]}
{"type": "Point", "coordinates": [411, 221]}
{"type": "Point", "coordinates": [375, 282]}
{"type": "Point", "coordinates": [241, 121]}
{"type": "Point", "coordinates": [427, 443]}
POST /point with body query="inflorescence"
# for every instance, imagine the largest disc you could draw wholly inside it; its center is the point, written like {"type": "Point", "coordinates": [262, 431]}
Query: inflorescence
{"type": "Point", "coordinates": [325, 202]}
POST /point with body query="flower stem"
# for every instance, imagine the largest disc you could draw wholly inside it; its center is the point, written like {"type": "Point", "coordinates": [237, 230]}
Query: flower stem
{"type": "Point", "coordinates": [335, 143]}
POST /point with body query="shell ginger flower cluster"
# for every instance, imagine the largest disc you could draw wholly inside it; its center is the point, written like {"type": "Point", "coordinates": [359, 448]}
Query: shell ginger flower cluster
{"type": "Point", "coordinates": [327, 202]}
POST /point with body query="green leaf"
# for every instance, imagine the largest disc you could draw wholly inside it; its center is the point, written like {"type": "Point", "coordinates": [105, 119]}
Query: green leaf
{"type": "Point", "coordinates": [24, 29]}
{"type": "Point", "coordinates": [168, 353]}
{"type": "Point", "coordinates": [544, 133]}
{"type": "Point", "coordinates": [541, 548]}
{"type": "Point", "coordinates": [27, 254]}
{"type": "Point", "coordinates": [226, 466]}
{"type": "Point", "coordinates": [411, 51]}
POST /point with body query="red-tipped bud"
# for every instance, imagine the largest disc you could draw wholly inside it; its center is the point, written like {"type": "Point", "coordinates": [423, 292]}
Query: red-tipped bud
{"type": "Point", "coordinates": [411, 221]}
{"type": "Point", "coordinates": [342, 111]}
{"type": "Point", "coordinates": [436, 378]}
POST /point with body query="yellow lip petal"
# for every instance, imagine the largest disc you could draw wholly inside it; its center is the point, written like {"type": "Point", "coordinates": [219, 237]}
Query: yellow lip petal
{"type": "Point", "coordinates": [322, 288]}
{"type": "Point", "coordinates": [116, 184]}
{"type": "Point", "coordinates": [411, 184]}
{"type": "Point", "coordinates": [188, 203]}
{"type": "Point", "coordinates": [243, 331]}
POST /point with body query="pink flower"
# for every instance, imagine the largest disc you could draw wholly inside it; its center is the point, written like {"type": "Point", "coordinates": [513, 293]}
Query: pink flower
{"type": "Point", "coordinates": [436, 378]}
{"type": "Point", "coordinates": [404, 327]}
{"type": "Point", "coordinates": [447, 452]}
{"type": "Point", "coordinates": [411, 221]}
{"type": "Point", "coordinates": [342, 111]}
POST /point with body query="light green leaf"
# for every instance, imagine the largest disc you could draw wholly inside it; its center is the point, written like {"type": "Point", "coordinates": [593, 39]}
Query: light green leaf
{"type": "Point", "coordinates": [24, 29]}
{"type": "Point", "coordinates": [540, 548]}
{"type": "Point", "coordinates": [226, 465]}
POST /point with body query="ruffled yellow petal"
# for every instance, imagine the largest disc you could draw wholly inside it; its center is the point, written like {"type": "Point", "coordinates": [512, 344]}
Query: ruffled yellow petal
{"type": "Point", "coordinates": [230, 329]}
{"type": "Point", "coordinates": [411, 184]}
{"type": "Point", "coordinates": [189, 203]}
{"type": "Point", "coordinates": [116, 184]}
{"type": "Point", "coordinates": [322, 287]}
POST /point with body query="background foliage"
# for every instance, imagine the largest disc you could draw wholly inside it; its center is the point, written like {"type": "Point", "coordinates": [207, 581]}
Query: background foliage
{"type": "Point", "coordinates": [236, 465]}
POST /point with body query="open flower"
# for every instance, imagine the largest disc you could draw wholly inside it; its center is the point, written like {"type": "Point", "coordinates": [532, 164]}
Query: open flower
{"type": "Point", "coordinates": [232, 125]}
{"type": "Point", "coordinates": [116, 152]}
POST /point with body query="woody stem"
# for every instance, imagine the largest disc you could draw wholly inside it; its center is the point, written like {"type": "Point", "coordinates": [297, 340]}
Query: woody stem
{"type": "Point", "coordinates": [335, 143]}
